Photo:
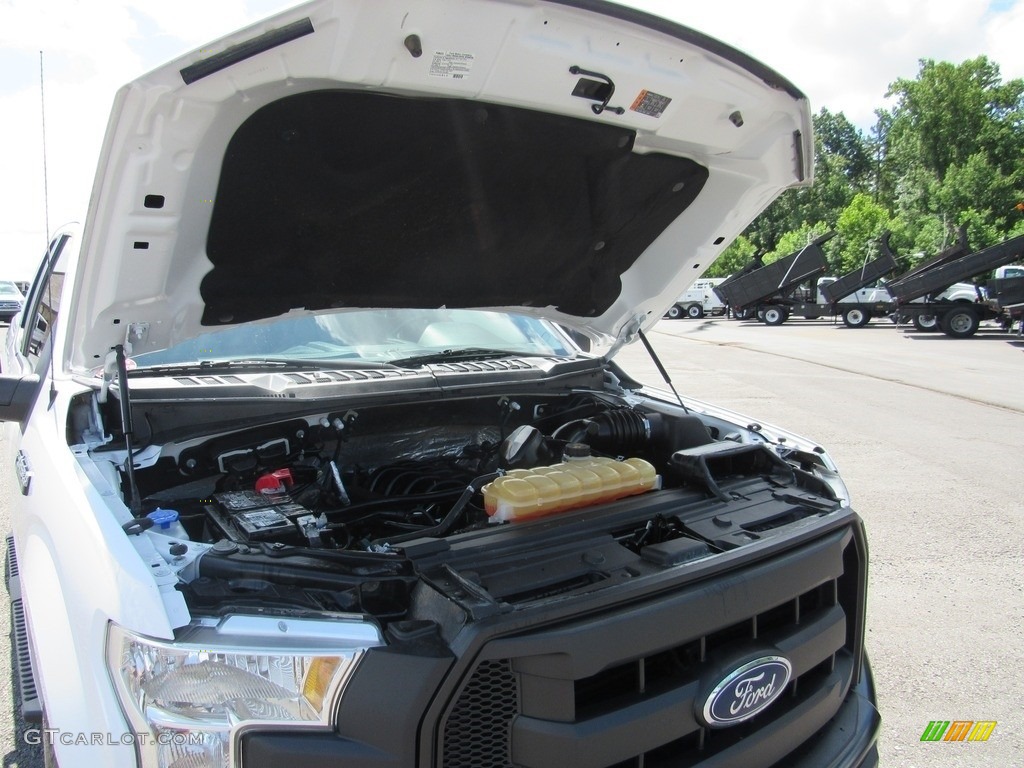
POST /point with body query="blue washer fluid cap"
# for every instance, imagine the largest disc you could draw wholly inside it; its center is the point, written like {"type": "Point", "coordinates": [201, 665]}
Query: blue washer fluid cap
{"type": "Point", "coordinates": [163, 518]}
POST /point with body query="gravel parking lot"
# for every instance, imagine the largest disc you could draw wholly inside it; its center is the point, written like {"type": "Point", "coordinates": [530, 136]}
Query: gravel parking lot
{"type": "Point", "coordinates": [929, 434]}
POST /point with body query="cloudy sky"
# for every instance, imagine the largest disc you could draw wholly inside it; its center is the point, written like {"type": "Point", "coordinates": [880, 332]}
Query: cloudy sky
{"type": "Point", "coordinates": [842, 54]}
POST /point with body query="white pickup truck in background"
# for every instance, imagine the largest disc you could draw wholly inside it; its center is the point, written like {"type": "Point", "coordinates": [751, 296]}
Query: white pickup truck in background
{"type": "Point", "coordinates": [1011, 270]}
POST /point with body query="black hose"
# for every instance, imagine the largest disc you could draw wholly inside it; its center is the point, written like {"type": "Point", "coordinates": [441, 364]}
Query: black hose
{"type": "Point", "coordinates": [391, 502]}
{"type": "Point", "coordinates": [449, 520]}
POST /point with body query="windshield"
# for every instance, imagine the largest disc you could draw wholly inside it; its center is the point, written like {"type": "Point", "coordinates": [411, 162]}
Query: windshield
{"type": "Point", "coordinates": [9, 288]}
{"type": "Point", "coordinates": [382, 336]}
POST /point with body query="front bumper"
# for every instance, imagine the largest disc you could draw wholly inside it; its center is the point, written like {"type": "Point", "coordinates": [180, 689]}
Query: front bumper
{"type": "Point", "coordinates": [848, 740]}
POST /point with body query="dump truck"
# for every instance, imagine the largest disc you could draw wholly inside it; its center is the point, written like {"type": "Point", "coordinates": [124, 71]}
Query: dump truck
{"type": "Point", "coordinates": [749, 291]}
{"type": "Point", "coordinates": [794, 285]}
{"type": "Point", "coordinates": [915, 292]}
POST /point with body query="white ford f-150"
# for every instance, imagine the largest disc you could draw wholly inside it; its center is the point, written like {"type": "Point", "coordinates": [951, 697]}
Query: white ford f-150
{"type": "Point", "coordinates": [320, 452]}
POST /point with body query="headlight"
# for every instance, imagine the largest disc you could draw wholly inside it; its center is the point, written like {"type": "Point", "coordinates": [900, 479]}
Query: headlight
{"type": "Point", "coordinates": [187, 699]}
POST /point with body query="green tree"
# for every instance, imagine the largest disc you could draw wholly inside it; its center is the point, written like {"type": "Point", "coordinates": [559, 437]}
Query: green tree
{"type": "Point", "coordinates": [733, 258]}
{"type": "Point", "coordinates": [842, 144]}
{"type": "Point", "coordinates": [954, 112]}
{"type": "Point", "coordinates": [982, 197]}
{"type": "Point", "coordinates": [916, 237]}
{"type": "Point", "coordinates": [953, 151]}
{"type": "Point", "coordinates": [859, 228]}
{"type": "Point", "coordinates": [842, 166]}
{"type": "Point", "coordinates": [797, 239]}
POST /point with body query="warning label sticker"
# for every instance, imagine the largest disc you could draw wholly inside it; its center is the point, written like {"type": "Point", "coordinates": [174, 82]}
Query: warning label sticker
{"type": "Point", "coordinates": [453, 64]}
{"type": "Point", "coordinates": [650, 103]}
{"type": "Point", "coordinates": [264, 518]}
{"type": "Point", "coordinates": [239, 500]}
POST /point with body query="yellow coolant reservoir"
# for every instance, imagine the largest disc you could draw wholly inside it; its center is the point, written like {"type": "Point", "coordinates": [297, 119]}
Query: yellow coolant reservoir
{"type": "Point", "coordinates": [525, 494]}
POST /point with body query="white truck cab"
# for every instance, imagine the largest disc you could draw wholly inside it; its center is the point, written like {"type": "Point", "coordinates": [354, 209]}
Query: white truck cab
{"type": "Point", "coordinates": [1010, 270]}
{"type": "Point", "coordinates": [698, 300]}
{"type": "Point", "coordinates": [869, 294]}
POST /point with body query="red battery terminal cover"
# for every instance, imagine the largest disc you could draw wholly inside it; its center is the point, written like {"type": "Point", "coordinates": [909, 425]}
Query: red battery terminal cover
{"type": "Point", "coordinates": [274, 482]}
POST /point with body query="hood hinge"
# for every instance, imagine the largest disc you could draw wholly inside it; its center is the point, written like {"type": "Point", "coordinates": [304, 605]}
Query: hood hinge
{"type": "Point", "coordinates": [628, 333]}
{"type": "Point", "coordinates": [136, 333]}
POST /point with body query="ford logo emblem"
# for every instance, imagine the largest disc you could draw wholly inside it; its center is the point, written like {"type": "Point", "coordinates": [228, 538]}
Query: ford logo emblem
{"type": "Point", "coordinates": [746, 691]}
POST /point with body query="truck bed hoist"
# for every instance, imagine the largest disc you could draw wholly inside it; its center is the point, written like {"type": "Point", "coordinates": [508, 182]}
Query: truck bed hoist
{"type": "Point", "coordinates": [794, 285]}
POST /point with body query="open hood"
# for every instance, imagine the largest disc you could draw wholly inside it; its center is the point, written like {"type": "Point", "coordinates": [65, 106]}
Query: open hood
{"type": "Point", "coordinates": [577, 161]}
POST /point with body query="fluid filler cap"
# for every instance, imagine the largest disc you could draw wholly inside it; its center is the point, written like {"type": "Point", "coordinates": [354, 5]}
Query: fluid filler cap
{"type": "Point", "coordinates": [576, 451]}
{"type": "Point", "coordinates": [163, 518]}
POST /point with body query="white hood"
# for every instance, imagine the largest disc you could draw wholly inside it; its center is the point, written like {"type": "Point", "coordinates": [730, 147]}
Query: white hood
{"type": "Point", "coordinates": [376, 153]}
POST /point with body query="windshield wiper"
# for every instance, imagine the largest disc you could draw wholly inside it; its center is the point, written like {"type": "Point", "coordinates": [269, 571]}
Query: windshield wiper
{"type": "Point", "coordinates": [258, 365]}
{"type": "Point", "coordinates": [465, 355]}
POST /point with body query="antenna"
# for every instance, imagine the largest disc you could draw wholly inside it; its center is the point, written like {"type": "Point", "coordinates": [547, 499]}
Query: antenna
{"type": "Point", "coordinates": [46, 190]}
{"type": "Point", "coordinates": [46, 234]}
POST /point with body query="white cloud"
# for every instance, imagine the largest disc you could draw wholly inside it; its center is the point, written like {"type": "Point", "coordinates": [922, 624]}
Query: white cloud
{"type": "Point", "coordinates": [1005, 41]}
{"type": "Point", "coordinates": [194, 22]}
{"type": "Point", "coordinates": [842, 54]}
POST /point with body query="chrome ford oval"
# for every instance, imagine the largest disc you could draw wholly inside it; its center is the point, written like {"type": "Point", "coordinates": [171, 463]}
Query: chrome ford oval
{"type": "Point", "coordinates": [746, 691]}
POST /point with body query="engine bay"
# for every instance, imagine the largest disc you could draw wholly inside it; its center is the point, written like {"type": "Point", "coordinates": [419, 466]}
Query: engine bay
{"type": "Point", "coordinates": [359, 509]}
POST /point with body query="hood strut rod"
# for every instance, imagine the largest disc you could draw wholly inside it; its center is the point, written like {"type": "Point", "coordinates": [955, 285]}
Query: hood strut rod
{"type": "Point", "coordinates": [134, 504]}
{"type": "Point", "coordinates": [661, 369]}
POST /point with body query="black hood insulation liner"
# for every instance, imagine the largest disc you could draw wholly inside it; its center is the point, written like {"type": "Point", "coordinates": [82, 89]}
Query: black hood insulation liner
{"type": "Point", "coordinates": [343, 199]}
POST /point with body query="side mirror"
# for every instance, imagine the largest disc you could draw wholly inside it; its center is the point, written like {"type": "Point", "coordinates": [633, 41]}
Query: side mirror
{"type": "Point", "coordinates": [17, 393]}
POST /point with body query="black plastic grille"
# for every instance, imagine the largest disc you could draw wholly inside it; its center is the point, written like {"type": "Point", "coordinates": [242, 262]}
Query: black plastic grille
{"type": "Point", "coordinates": [476, 731]}
{"type": "Point", "coordinates": [693, 748]}
{"type": "Point", "coordinates": [677, 666]}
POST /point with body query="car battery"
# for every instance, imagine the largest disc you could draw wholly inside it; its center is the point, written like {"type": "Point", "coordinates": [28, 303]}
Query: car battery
{"type": "Point", "coordinates": [249, 516]}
